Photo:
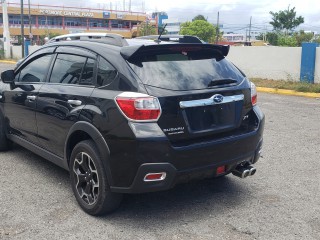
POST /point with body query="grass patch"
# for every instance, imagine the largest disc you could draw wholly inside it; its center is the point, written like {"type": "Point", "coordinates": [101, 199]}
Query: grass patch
{"type": "Point", "coordinates": [290, 85]}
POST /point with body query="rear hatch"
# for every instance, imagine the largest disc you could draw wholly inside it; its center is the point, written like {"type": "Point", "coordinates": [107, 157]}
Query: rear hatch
{"type": "Point", "coordinates": [202, 95]}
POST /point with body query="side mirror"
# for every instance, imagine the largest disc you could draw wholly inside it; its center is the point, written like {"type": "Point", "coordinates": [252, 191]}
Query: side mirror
{"type": "Point", "coordinates": [7, 76]}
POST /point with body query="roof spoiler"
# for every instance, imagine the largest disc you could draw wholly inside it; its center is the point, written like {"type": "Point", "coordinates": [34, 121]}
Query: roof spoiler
{"type": "Point", "coordinates": [130, 52]}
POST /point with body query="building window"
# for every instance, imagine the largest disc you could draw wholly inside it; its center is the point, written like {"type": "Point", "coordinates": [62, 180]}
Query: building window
{"type": "Point", "coordinates": [50, 21]}
{"type": "Point", "coordinates": [16, 19]}
{"type": "Point", "coordinates": [98, 23]}
{"type": "Point", "coordinates": [75, 22]}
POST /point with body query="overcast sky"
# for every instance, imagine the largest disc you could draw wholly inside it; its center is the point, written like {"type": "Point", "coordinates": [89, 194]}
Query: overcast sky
{"type": "Point", "coordinates": [234, 14]}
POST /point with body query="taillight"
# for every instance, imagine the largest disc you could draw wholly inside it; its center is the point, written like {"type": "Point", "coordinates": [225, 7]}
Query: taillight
{"type": "Point", "coordinates": [253, 94]}
{"type": "Point", "coordinates": [138, 106]}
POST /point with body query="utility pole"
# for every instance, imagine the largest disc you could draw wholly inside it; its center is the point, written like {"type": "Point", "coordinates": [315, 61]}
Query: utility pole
{"type": "Point", "coordinates": [22, 29]}
{"type": "Point", "coordinates": [250, 29]}
{"type": "Point", "coordinates": [6, 32]}
{"type": "Point", "coordinates": [30, 33]}
{"type": "Point", "coordinates": [217, 29]}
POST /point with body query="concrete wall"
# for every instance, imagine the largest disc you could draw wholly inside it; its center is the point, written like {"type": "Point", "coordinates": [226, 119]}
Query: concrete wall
{"type": "Point", "coordinates": [278, 63]}
{"type": "Point", "coordinates": [16, 52]}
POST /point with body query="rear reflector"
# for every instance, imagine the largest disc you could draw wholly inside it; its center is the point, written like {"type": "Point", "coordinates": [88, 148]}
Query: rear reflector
{"type": "Point", "coordinates": [139, 107]}
{"type": "Point", "coordinates": [253, 94]}
{"type": "Point", "coordinates": [152, 177]}
{"type": "Point", "coordinates": [221, 170]}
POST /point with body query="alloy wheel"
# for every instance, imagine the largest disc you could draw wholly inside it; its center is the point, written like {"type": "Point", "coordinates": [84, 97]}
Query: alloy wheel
{"type": "Point", "coordinates": [87, 179]}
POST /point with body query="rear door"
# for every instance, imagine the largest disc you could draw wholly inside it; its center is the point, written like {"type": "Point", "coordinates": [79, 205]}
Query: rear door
{"type": "Point", "coordinates": [21, 97]}
{"type": "Point", "coordinates": [62, 98]}
{"type": "Point", "coordinates": [200, 92]}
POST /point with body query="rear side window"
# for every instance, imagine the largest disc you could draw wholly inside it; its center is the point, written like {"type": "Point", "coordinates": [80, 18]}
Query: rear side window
{"type": "Point", "coordinates": [72, 69]}
{"type": "Point", "coordinates": [106, 73]}
{"type": "Point", "coordinates": [35, 71]}
{"type": "Point", "coordinates": [87, 74]}
{"type": "Point", "coordinates": [184, 70]}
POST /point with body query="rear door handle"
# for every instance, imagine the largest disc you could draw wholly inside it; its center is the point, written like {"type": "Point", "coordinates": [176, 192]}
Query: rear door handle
{"type": "Point", "coordinates": [31, 98]}
{"type": "Point", "coordinates": [75, 102]}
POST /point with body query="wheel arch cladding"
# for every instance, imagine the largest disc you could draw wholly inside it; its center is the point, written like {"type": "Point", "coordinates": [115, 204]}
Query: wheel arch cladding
{"type": "Point", "coordinates": [81, 131]}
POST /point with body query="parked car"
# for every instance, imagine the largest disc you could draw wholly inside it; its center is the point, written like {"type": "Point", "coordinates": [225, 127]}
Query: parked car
{"type": "Point", "coordinates": [132, 116]}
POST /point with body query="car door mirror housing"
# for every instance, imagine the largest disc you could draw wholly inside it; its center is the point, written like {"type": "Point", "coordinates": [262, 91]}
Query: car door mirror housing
{"type": "Point", "coordinates": [7, 76]}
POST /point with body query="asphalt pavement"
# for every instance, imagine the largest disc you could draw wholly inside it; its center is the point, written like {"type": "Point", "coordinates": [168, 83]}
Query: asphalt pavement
{"type": "Point", "coordinates": [281, 201]}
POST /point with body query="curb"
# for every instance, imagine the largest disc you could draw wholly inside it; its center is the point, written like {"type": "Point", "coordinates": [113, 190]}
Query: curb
{"type": "Point", "coordinates": [8, 61]}
{"type": "Point", "coordinates": [288, 92]}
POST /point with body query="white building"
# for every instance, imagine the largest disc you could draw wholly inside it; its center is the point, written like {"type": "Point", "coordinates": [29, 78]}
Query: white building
{"type": "Point", "coordinates": [234, 37]}
{"type": "Point", "coordinates": [241, 37]}
{"type": "Point", "coordinates": [173, 26]}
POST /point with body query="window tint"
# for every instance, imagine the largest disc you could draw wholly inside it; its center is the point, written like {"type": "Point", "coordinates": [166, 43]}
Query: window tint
{"type": "Point", "coordinates": [67, 69]}
{"type": "Point", "coordinates": [181, 73]}
{"type": "Point", "coordinates": [106, 73]}
{"type": "Point", "coordinates": [87, 74]}
{"type": "Point", "coordinates": [35, 71]}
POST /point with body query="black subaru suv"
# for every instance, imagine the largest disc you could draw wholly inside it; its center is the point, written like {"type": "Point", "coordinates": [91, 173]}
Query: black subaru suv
{"type": "Point", "coordinates": [131, 116]}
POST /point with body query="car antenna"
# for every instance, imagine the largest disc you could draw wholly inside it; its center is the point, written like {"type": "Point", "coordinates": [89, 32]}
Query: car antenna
{"type": "Point", "coordinates": [158, 40]}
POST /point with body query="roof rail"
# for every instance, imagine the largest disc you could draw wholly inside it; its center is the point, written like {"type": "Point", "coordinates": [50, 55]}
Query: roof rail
{"type": "Point", "coordinates": [107, 38]}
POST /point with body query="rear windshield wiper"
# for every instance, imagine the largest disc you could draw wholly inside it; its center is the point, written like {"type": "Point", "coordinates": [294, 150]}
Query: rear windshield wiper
{"type": "Point", "coordinates": [218, 82]}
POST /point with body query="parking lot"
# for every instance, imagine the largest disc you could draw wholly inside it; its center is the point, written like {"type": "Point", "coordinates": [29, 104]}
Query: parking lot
{"type": "Point", "coordinates": [282, 201]}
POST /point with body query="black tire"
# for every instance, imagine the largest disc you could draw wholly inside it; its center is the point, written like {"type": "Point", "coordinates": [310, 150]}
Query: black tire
{"type": "Point", "coordinates": [5, 143]}
{"type": "Point", "coordinates": [89, 180]}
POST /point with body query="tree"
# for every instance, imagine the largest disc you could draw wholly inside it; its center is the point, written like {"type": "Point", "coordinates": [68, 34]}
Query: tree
{"type": "Point", "coordinates": [147, 29]}
{"type": "Point", "coordinates": [200, 28]}
{"type": "Point", "coordinates": [199, 17]}
{"type": "Point", "coordinates": [287, 41]}
{"type": "Point", "coordinates": [316, 39]}
{"type": "Point", "coordinates": [271, 37]}
{"type": "Point", "coordinates": [303, 37]}
{"type": "Point", "coordinates": [285, 20]}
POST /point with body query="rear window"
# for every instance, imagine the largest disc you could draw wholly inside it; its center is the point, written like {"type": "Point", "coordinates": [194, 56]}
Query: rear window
{"type": "Point", "coordinates": [185, 70]}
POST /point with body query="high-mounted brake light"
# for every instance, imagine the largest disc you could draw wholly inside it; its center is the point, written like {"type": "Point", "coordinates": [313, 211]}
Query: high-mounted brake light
{"type": "Point", "coordinates": [185, 49]}
{"type": "Point", "coordinates": [253, 94]}
{"type": "Point", "coordinates": [139, 107]}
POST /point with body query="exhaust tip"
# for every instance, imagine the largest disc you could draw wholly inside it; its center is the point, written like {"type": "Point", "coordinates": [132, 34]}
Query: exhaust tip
{"type": "Point", "coordinates": [252, 171]}
{"type": "Point", "coordinates": [241, 172]}
{"type": "Point", "coordinates": [244, 171]}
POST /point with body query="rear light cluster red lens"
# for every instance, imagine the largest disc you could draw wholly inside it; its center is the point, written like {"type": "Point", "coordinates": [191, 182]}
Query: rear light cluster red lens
{"type": "Point", "coordinates": [139, 107]}
{"type": "Point", "coordinates": [253, 94]}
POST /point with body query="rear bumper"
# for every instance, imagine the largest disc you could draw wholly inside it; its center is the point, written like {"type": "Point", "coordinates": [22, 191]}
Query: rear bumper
{"type": "Point", "coordinates": [182, 164]}
{"type": "Point", "coordinates": [174, 176]}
